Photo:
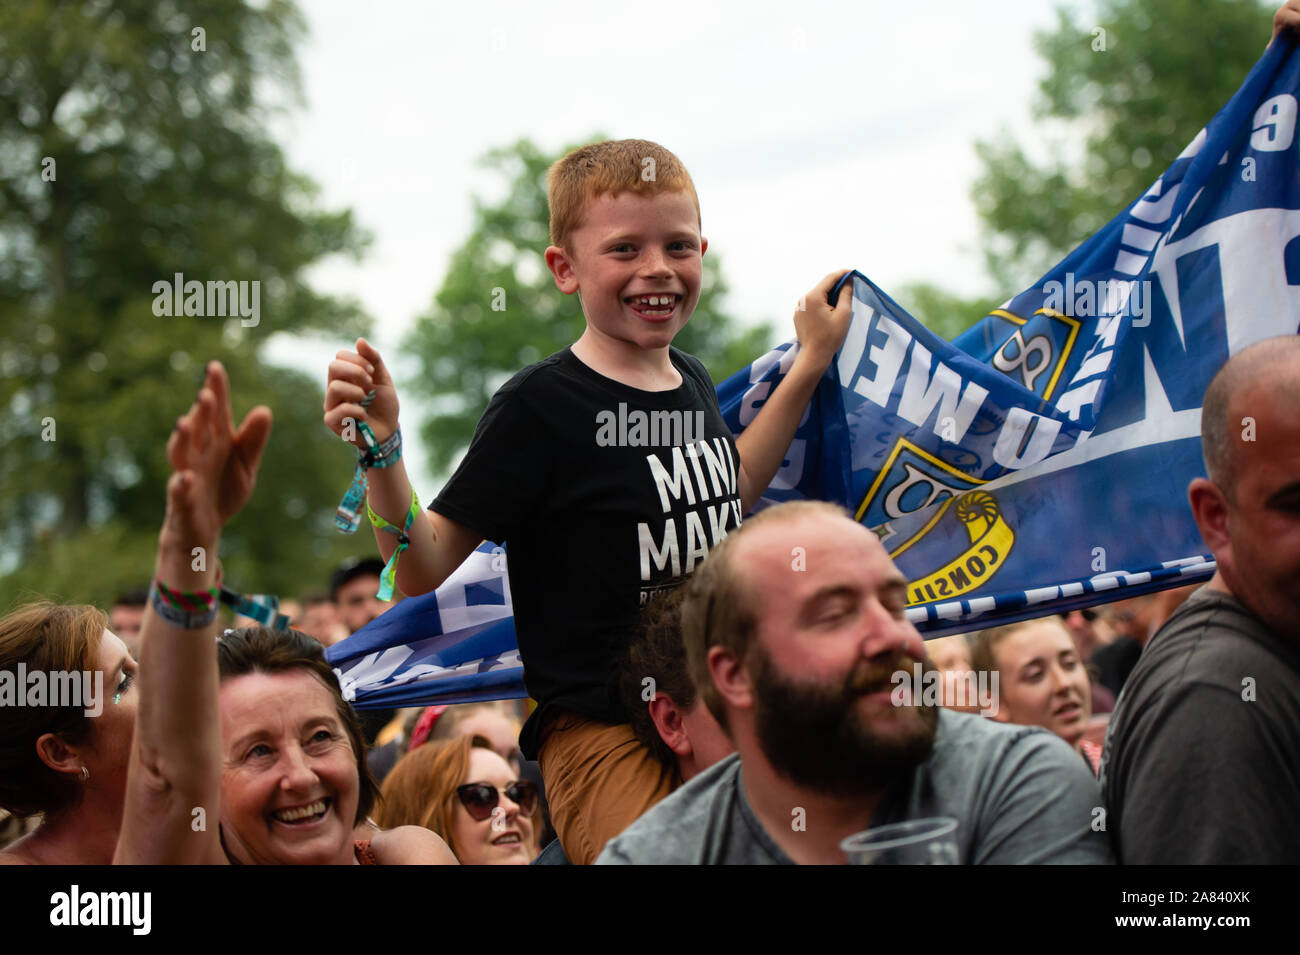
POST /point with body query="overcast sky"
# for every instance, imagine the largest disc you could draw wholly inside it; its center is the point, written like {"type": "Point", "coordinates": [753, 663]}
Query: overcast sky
{"type": "Point", "coordinates": [820, 135]}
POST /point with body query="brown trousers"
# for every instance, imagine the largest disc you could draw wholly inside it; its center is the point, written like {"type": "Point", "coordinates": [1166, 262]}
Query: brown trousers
{"type": "Point", "coordinates": [599, 778]}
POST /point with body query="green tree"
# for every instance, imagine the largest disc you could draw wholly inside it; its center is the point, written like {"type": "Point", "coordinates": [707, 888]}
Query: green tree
{"type": "Point", "coordinates": [945, 314]}
{"type": "Point", "coordinates": [498, 310]}
{"type": "Point", "coordinates": [132, 148]}
{"type": "Point", "coordinates": [1127, 89]}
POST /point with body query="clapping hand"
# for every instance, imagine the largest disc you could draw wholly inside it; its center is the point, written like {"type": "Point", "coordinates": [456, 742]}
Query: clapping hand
{"type": "Point", "coordinates": [214, 467]}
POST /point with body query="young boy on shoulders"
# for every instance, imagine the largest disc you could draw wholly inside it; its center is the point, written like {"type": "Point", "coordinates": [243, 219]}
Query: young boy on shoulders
{"type": "Point", "coordinates": [606, 469]}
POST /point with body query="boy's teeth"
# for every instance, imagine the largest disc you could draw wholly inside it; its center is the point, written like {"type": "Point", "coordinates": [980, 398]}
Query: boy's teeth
{"type": "Point", "coordinates": [655, 300]}
{"type": "Point", "coordinates": [302, 812]}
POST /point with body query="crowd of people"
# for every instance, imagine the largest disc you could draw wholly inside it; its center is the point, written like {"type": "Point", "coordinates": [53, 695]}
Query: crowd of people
{"type": "Point", "coordinates": [714, 700]}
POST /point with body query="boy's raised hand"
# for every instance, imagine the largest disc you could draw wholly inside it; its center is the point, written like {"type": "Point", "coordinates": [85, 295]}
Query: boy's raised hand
{"type": "Point", "coordinates": [352, 376]}
{"type": "Point", "coordinates": [820, 326]}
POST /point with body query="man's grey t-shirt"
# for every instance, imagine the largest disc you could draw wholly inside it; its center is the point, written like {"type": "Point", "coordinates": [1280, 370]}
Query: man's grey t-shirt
{"type": "Point", "coordinates": [1202, 761]}
{"type": "Point", "coordinates": [1019, 794]}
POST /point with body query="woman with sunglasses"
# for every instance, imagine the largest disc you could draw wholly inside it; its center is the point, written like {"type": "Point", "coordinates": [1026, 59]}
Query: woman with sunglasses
{"type": "Point", "coordinates": [466, 793]}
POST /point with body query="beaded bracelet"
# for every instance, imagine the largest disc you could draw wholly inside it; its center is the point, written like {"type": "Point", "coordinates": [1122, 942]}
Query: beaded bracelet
{"type": "Point", "coordinates": [185, 609]}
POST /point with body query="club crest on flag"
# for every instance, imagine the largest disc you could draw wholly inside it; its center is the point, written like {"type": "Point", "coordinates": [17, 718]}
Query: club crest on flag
{"type": "Point", "coordinates": [991, 540]}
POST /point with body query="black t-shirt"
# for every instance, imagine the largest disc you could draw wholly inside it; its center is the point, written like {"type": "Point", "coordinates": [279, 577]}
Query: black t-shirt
{"type": "Point", "coordinates": [601, 493]}
{"type": "Point", "coordinates": [1115, 661]}
{"type": "Point", "coordinates": [1202, 756]}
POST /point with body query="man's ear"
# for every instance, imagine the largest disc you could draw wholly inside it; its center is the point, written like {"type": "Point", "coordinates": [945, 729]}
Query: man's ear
{"type": "Point", "coordinates": [668, 722]}
{"type": "Point", "coordinates": [731, 679]}
{"type": "Point", "coordinates": [58, 755]}
{"type": "Point", "coordinates": [1210, 509]}
{"type": "Point", "coordinates": [561, 265]}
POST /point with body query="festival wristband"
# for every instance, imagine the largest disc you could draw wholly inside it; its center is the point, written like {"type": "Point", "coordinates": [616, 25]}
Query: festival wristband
{"type": "Point", "coordinates": [347, 517]}
{"type": "Point", "coordinates": [189, 611]}
{"type": "Point", "coordinates": [388, 579]}
{"type": "Point", "coordinates": [264, 608]}
{"type": "Point", "coordinates": [381, 455]}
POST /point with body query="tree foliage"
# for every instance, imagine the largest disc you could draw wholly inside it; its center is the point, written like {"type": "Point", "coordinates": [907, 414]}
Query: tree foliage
{"type": "Point", "coordinates": [1127, 90]}
{"type": "Point", "coordinates": [498, 309]}
{"type": "Point", "coordinates": [132, 148]}
{"type": "Point", "coordinates": [945, 314]}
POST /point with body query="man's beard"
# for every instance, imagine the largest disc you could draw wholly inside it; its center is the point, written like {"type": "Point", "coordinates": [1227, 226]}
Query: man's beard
{"type": "Point", "coordinates": [816, 736]}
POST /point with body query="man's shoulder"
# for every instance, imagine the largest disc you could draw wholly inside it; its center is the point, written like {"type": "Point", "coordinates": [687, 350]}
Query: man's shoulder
{"type": "Point", "coordinates": [1206, 724]}
{"type": "Point", "coordinates": [1197, 684]}
{"type": "Point", "coordinates": [1021, 792]}
{"type": "Point", "coordinates": [678, 822]}
{"type": "Point", "coordinates": [978, 756]}
{"type": "Point", "coordinates": [1210, 642]}
{"type": "Point", "coordinates": [969, 738]}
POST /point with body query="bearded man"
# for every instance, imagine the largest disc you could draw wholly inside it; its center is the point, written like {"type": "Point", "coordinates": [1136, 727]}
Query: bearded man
{"type": "Point", "coordinates": [797, 641]}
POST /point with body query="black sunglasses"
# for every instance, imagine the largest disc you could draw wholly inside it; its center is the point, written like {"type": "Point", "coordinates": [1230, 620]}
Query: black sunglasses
{"type": "Point", "coordinates": [479, 799]}
{"type": "Point", "coordinates": [1088, 614]}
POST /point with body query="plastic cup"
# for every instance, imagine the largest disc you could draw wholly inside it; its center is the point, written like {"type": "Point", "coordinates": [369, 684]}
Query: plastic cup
{"type": "Point", "coordinates": [916, 842]}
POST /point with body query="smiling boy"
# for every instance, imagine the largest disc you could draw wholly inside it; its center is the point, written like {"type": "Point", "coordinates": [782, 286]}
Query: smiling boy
{"type": "Point", "coordinates": [594, 525]}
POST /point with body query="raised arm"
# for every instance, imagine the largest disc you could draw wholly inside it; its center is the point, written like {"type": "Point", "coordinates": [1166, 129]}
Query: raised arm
{"type": "Point", "coordinates": [821, 328]}
{"type": "Point", "coordinates": [438, 545]}
{"type": "Point", "coordinates": [174, 775]}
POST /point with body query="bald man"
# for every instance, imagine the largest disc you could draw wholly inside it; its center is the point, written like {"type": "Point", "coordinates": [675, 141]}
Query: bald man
{"type": "Point", "coordinates": [1201, 760]}
{"type": "Point", "coordinates": [797, 642]}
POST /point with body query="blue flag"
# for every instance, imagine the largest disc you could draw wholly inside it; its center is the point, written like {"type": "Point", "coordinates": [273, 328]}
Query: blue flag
{"type": "Point", "coordinates": [1036, 464]}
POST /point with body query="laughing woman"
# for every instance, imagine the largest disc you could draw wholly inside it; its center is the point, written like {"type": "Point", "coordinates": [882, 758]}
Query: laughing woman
{"type": "Point", "coordinates": [254, 740]}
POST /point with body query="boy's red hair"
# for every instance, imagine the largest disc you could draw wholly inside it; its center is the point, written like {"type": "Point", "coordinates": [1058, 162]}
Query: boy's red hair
{"type": "Point", "coordinates": [613, 166]}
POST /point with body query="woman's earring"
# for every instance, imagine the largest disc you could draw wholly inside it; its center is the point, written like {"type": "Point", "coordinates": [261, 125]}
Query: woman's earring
{"type": "Point", "coordinates": [85, 774]}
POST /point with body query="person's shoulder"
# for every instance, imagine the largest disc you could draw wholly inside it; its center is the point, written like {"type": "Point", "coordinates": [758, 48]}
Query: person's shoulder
{"type": "Point", "coordinates": [410, 845]}
{"type": "Point", "coordinates": [1216, 623]}
{"type": "Point", "coordinates": [688, 361]}
{"type": "Point", "coordinates": [971, 743]}
{"type": "Point", "coordinates": [964, 733]}
{"type": "Point", "coordinates": [679, 819]}
{"type": "Point", "coordinates": [1211, 641]}
{"type": "Point", "coordinates": [1023, 792]}
{"type": "Point", "coordinates": [538, 375]}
